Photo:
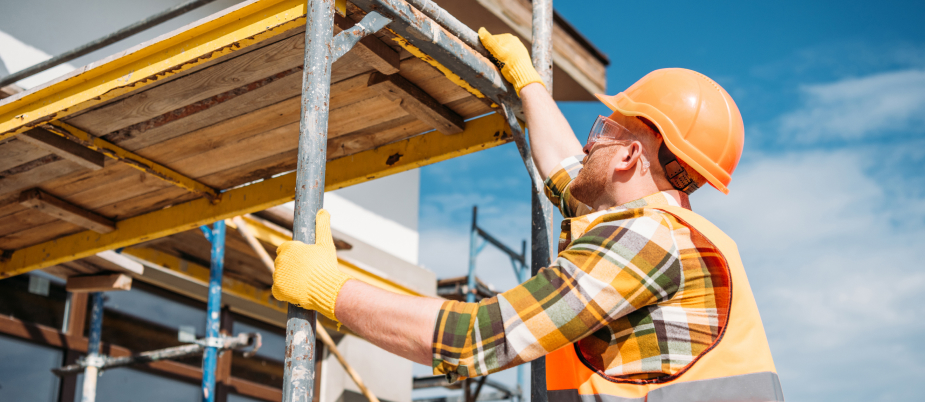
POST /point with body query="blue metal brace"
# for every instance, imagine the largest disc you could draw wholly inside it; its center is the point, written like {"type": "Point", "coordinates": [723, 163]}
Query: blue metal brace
{"type": "Point", "coordinates": [213, 310]}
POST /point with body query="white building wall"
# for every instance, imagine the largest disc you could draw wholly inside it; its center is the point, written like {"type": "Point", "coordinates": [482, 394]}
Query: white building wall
{"type": "Point", "coordinates": [382, 213]}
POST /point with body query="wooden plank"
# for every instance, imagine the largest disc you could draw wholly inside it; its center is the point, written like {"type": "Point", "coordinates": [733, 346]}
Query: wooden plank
{"type": "Point", "coordinates": [351, 117]}
{"type": "Point", "coordinates": [253, 66]}
{"type": "Point", "coordinates": [9, 205]}
{"type": "Point", "coordinates": [126, 195]}
{"type": "Point", "coordinates": [223, 362]}
{"type": "Point", "coordinates": [249, 69]}
{"type": "Point", "coordinates": [259, 146]}
{"type": "Point", "coordinates": [232, 29]}
{"type": "Point", "coordinates": [98, 283]}
{"type": "Point", "coordinates": [369, 137]}
{"type": "Point", "coordinates": [259, 169]}
{"type": "Point", "coordinates": [146, 201]}
{"type": "Point", "coordinates": [69, 150]}
{"type": "Point", "coordinates": [34, 173]}
{"type": "Point", "coordinates": [14, 152]}
{"type": "Point", "coordinates": [130, 158]}
{"type": "Point", "coordinates": [78, 184]}
{"type": "Point", "coordinates": [72, 268]}
{"type": "Point", "coordinates": [36, 234]}
{"type": "Point", "coordinates": [209, 111]}
{"type": "Point", "coordinates": [414, 152]}
{"type": "Point", "coordinates": [371, 49]}
{"type": "Point", "coordinates": [51, 205]}
{"type": "Point", "coordinates": [433, 81]}
{"type": "Point", "coordinates": [76, 314]}
{"type": "Point", "coordinates": [261, 134]}
{"type": "Point", "coordinates": [25, 218]}
{"type": "Point", "coordinates": [256, 390]}
{"type": "Point", "coordinates": [417, 103]}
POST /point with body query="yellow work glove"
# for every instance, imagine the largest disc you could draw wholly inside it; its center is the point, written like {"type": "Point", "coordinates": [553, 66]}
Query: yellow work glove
{"type": "Point", "coordinates": [306, 274]}
{"type": "Point", "coordinates": [511, 56]}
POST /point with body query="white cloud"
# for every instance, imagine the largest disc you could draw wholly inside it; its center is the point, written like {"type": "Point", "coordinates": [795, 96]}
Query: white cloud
{"type": "Point", "coordinates": [855, 108]}
{"type": "Point", "coordinates": [838, 283]}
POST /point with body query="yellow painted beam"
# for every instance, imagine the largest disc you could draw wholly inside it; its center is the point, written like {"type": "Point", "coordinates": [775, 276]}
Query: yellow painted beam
{"type": "Point", "coordinates": [130, 158]}
{"type": "Point", "coordinates": [234, 29]}
{"type": "Point", "coordinates": [482, 133]}
{"type": "Point", "coordinates": [264, 297]}
{"type": "Point", "coordinates": [272, 236]}
{"type": "Point", "coordinates": [262, 232]}
{"type": "Point", "coordinates": [196, 272]}
{"type": "Point", "coordinates": [250, 292]}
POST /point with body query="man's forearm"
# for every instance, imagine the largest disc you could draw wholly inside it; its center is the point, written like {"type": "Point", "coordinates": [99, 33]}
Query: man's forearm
{"type": "Point", "coordinates": [400, 324]}
{"type": "Point", "coordinates": [551, 137]}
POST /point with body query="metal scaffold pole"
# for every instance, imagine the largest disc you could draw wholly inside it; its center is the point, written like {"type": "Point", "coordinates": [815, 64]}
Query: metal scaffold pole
{"type": "Point", "coordinates": [541, 207]}
{"type": "Point", "coordinates": [94, 359]}
{"type": "Point", "coordinates": [473, 253]}
{"type": "Point", "coordinates": [299, 371]}
{"type": "Point", "coordinates": [213, 340]}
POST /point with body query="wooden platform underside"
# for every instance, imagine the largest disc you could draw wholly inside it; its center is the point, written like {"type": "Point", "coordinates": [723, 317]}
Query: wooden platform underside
{"type": "Point", "coordinates": [225, 123]}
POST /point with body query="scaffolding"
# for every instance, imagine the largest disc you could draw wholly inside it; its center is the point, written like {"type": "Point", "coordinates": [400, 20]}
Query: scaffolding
{"type": "Point", "coordinates": [420, 27]}
{"type": "Point", "coordinates": [457, 51]}
{"type": "Point", "coordinates": [478, 239]}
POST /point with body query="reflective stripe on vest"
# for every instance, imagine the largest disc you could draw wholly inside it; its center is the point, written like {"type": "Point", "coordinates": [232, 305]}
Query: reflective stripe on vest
{"type": "Point", "coordinates": [755, 387]}
{"type": "Point", "coordinates": [737, 367]}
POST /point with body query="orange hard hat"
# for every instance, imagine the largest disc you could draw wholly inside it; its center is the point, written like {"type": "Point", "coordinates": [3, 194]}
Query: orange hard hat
{"type": "Point", "coordinates": [697, 118]}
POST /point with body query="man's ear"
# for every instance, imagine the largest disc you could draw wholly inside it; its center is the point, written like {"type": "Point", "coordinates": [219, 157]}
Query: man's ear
{"type": "Point", "coordinates": [628, 156]}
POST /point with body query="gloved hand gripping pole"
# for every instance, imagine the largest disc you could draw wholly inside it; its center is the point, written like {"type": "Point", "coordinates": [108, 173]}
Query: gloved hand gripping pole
{"type": "Point", "coordinates": [321, 49]}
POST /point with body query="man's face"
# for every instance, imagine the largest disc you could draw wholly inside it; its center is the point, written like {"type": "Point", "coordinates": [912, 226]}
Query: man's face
{"type": "Point", "coordinates": [594, 177]}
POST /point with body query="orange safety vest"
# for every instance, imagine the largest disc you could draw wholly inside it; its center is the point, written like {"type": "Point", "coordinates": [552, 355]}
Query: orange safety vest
{"type": "Point", "coordinates": [737, 367]}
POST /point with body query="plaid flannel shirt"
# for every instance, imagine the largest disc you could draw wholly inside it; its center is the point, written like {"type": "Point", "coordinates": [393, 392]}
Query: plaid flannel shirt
{"type": "Point", "coordinates": [635, 290]}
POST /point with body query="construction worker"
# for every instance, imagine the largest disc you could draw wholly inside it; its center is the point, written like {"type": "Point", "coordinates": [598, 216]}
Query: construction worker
{"type": "Point", "coordinates": [646, 301]}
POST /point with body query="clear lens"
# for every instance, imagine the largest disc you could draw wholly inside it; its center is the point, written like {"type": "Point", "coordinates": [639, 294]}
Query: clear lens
{"type": "Point", "coordinates": [604, 129]}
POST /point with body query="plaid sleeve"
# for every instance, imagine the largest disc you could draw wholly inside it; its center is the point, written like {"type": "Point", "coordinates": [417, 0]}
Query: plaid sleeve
{"type": "Point", "coordinates": [627, 262]}
{"type": "Point", "coordinates": [557, 187]}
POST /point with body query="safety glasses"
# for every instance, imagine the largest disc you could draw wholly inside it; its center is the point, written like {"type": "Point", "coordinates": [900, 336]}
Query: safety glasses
{"type": "Point", "coordinates": [606, 131]}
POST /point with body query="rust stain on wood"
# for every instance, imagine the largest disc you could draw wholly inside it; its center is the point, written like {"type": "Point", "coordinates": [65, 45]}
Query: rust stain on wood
{"type": "Point", "coordinates": [193, 108]}
{"type": "Point", "coordinates": [25, 167]}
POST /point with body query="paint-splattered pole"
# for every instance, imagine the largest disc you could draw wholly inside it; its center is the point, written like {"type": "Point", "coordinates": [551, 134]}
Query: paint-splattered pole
{"type": "Point", "coordinates": [541, 238]}
{"type": "Point", "coordinates": [299, 368]}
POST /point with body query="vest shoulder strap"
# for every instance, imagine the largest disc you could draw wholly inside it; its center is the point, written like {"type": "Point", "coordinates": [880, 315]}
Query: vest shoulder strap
{"type": "Point", "coordinates": [702, 225]}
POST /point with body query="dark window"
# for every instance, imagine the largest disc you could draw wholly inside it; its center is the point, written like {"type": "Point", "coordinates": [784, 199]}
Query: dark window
{"type": "Point", "coordinates": [25, 371]}
{"type": "Point", "coordinates": [44, 304]}
{"type": "Point", "coordinates": [147, 318]}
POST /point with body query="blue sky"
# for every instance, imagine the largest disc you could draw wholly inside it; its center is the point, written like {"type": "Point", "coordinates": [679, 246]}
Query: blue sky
{"type": "Point", "coordinates": [828, 203]}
